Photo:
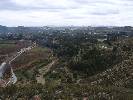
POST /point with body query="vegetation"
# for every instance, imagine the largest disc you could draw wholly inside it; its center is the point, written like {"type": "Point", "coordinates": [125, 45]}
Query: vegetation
{"type": "Point", "coordinates": [88, 66]}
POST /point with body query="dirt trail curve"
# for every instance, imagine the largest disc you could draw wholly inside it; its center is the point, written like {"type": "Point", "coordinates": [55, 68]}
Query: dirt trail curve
{"type": "Point", "coordinates": [43, 71]}
{"type": "Point", "coordinates": [7, 65]}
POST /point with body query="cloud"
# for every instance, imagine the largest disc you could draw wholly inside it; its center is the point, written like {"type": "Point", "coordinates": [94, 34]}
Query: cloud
{"type": "Point", "coordinates": [7, 4]}
{"type": "Point", "coordinates": [66, 12]}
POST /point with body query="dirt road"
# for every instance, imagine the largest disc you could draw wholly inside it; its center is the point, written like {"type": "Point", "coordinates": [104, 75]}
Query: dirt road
{"type": "Point", "coordinates": [43, 71]}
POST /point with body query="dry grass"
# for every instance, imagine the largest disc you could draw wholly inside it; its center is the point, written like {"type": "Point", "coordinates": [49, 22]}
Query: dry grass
{"type": "Point", "coordinates": [31, 58]}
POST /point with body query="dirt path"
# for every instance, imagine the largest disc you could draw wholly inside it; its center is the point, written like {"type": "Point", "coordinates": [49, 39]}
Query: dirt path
{"type": "Point", "coordinates": [7, 65]}
{"type": "Point", "coordinates": [43, 71]}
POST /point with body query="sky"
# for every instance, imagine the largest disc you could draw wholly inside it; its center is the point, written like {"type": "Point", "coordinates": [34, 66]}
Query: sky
{"type": "Point", "coordinates": [66, 12]}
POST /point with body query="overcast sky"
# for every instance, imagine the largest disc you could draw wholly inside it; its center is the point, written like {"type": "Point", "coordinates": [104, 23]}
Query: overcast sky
{"type": "Point", "coordinates": [66, 12]}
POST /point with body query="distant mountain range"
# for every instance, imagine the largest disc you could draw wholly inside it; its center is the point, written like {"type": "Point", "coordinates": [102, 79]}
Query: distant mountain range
{"type": "Point", "coordinates": [23, 29]}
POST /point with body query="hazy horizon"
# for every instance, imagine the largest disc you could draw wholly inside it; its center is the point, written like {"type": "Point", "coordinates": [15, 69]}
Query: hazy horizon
{"type": "Point", "coordinates": [64, 26]}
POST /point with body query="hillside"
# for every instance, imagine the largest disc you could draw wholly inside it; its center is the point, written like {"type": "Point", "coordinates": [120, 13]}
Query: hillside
{"type": "Point", "coordinates": [93, 70]}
